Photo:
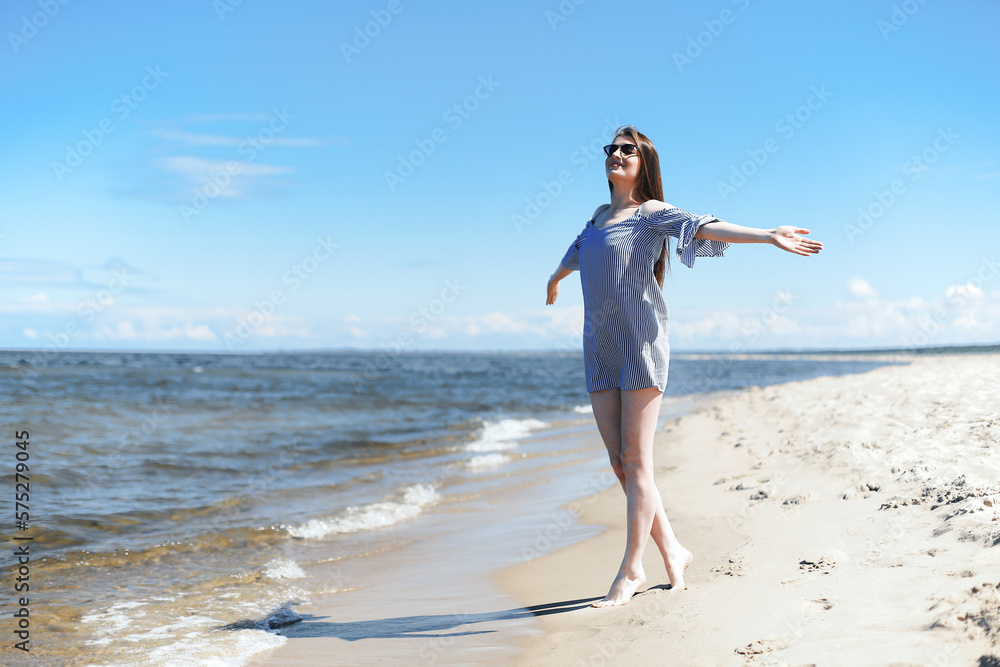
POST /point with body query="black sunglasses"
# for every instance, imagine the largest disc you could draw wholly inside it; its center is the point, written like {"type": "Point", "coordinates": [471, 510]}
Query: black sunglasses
{"type": "Point", "coordinates": [627, 149]}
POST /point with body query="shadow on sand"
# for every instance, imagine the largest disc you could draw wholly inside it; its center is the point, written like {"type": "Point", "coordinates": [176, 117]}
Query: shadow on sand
{"type": "Point", "coordinates": [425, 626]}
{"type": "Point", "coordinates": [420, 626]}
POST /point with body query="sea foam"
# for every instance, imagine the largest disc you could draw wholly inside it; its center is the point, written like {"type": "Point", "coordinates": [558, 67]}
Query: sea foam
{"type": "Point", "coordinates": [501, 435]}
{"type": "Point", "coordinates": [488, 460]}
{"type": "Point", "coordinates": [375, 515]}
{"type": "Point", "coordinates": [283, 568]}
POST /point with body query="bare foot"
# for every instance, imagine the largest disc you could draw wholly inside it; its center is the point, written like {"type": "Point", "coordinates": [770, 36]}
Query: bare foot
{"type": "Point", "coordinates": [677, 575]}
{"type": "Point", "coordinates": [622, 590]}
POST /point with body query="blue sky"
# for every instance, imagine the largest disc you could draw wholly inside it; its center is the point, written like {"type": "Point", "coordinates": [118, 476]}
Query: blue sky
{"type": "Point", "coordinates": [201, 175]}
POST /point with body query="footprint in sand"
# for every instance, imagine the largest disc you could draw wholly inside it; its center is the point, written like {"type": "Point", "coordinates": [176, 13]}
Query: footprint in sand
{"type": "Point", "coordinates": [797, 499]}
{"type": "Point", "coordinates": [761, 646]}
{"type": "Point", "coordinates": [976, 612]}
{"type": "Point", "coordinates": [732, 568]}
{"type": "Point", "coordinates": [823, 565]}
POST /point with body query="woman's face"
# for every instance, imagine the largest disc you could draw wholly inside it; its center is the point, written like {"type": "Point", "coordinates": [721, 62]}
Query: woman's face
{"type": "Point", "coordinates": [622, 168]}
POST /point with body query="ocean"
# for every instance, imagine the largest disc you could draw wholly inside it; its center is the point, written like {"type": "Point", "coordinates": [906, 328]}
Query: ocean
{"type": "Point", "coordinates": [180, 506]}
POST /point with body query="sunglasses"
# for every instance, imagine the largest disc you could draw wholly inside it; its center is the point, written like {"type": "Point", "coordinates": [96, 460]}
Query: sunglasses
{"type": "Point", "coordinates": [627, 149]}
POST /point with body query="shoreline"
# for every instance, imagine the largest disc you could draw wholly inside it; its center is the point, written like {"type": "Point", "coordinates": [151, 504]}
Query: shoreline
{"type": "Point", "coordinates": [837, 520]}
{"type": "Point", "coordinates": [453, 611]}
{"type": "Point", "coordinates": [803, 503]}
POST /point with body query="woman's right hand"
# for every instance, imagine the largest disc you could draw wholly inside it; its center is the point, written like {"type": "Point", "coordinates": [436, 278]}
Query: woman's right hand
{"type": "Point", "coordinates": [557, 275]}
{"type": "Point", "coordinates": [553, 290]}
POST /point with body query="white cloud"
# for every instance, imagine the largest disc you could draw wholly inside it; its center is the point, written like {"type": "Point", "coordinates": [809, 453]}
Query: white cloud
{"type": "Point", "coordinates": [151, 324]}
{"type": "Point", "coordinates": [217, 177]}
{"type": "Point", "coordinates": [199, 139]}
{"type": "Point", "coordinates": [225, 161]}
{"type": "Point", "coordinates": [217, 117]}
{"type": "Point", "coordinates": [720, 323]}
{"type": "Point", "coordinates": [38, 271]}
{"type": "Point", "coordinates": [858, 286]}
{"type": "Point", "coordinates": [138, 326]}
{"type": "Point", "coordinates": [202, 169]}
{"type": "Point", "coordinates": [115, 272]}
{"type": "Point", "coordinates": [961, 314]}
{"type": "Point", "coordinates": [963, 292]}
{"type": "Point", "coordinates": [549, 327]}
{"type": "Point", "coordinates": [199, 332]}
{"type": "Point", "coordinates": [125, 331]}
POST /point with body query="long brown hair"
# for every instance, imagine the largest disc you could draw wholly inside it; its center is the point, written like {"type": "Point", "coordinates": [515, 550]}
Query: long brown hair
{"type": "Point", "coordinates": [650, 184]}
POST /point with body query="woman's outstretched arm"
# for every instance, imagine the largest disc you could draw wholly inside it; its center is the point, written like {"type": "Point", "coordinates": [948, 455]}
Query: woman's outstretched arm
{"type": "Point", "coordinates": [785, 237]}
{"type": "Point", "coordinates": [553, 288]}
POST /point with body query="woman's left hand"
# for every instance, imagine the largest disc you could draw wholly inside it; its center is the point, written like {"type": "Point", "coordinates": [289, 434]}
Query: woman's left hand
{"type": "Point", "coordinates": [787, 238]}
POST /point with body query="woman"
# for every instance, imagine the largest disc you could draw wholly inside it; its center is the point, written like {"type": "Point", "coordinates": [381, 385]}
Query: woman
{"type": "Point", "coordinates": [620, 253]}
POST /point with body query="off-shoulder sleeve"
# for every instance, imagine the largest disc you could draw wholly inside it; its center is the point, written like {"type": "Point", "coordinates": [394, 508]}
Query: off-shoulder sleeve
{"type": "Point", "coordinates": [682, 225]}
{"type": "Point", "coordinates": [571, 260]}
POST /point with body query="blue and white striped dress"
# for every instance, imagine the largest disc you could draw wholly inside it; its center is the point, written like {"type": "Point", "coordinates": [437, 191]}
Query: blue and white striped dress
{"type": "Point", "coordinates": [625, 316]}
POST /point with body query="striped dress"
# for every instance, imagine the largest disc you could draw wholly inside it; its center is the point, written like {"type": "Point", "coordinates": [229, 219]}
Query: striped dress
{"type": "Point", "coordinates": [625, 316]}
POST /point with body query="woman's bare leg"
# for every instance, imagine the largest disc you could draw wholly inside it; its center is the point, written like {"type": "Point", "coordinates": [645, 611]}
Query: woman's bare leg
{"type": "Point", "coordinates": [607, 412]}
{"type": "Point", "coordinates": [638, 428]}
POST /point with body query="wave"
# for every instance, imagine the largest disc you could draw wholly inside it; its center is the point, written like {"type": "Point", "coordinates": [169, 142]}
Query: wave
{"type": "Point", "coordinates": [501, 435]}
{"type": "Point", "coordinates": [488, 460]}
{"type": "Point", "coordinates": [375, 515]}
{"type": "Point", "coordinates": [146, 637]}
{"type": "Point", "coordinates": [283, 568]}
{"type": "Point", "coordinates": [584, 409]}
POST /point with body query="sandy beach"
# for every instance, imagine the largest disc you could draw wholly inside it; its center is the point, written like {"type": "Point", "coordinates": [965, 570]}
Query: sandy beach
{"type": "Point", "coordinates": [836, 521]}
